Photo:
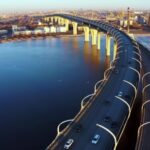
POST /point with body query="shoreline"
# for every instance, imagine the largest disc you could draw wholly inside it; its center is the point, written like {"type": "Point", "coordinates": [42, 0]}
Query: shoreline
{"type": "Point", "coordinates": [142, 34]}
{"type": "Point", "coordinates": [60, 35]}
{"type": "Point", "coordinates": [23, 38]}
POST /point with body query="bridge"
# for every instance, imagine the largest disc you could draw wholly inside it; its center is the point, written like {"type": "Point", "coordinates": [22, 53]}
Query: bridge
{"type": "Point", "coordinates": [105, 111]}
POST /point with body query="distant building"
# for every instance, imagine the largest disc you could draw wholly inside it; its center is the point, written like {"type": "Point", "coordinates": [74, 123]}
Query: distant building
{"type": "Point", "coordinates": [121, 22]}
{"type": "Point", "coordinates": [60, 29]}
{"type": "Point", "coordinates": [26, 32]}
{"type": "Point", "coordinates": [3, 32]}
{"type": "Point", "coordinates": [138, 12]}
{"type": "Point", "coordinates": [39, 23]}
{"type": "Point", "coordinates": [46, 30]}
{"type": "Point", "coordinates": [14, 28]}
{"type": "Point", "coordinates": [20, 30]}
{"type": "Point", "coordinates": [140, 19]}
{"type": "Point", "coordinates": [124, 22]}
{"type": "Point", "coordinates": [52, 29]}
{"type": "Point", "coordinates": [38, 31]}
{"type": "Point", "coordinates": [149, 20]}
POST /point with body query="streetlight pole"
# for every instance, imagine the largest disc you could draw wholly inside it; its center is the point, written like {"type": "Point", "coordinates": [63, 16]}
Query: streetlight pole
{"type": "Point", "coordinates": [128, 27]}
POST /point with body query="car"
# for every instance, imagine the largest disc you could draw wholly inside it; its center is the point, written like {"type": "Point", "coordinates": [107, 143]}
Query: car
{"type": "Point", "coordinates": [68, 144]}
{"type": "Point", "coordinates": [107, 119]}
{"type": "Point", "coordinates": [116, 71]}
{"type": "Point", "coordinates": [95, 139]}
{"type": "Point", "coordinates": [78, 128]}
{"type": "Point", "coordinates": [120, 94]}
{"type": "Point", "coordinates": [114, 124]}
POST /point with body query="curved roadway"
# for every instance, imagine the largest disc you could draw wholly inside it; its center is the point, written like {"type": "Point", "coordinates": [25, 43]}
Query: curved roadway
{"type": "Point", "coordinates": [144, 129]}
{"type": "Point", "coordinates": [105, 108]}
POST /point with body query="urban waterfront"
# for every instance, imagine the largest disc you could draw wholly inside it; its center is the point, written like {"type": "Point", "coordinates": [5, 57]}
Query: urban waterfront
{"type": "Point", "coordinates": [42, 83]}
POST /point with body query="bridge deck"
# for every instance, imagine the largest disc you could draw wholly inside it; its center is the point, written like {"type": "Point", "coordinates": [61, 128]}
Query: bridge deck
{"type": "Point", "coordinates": [144, 132]}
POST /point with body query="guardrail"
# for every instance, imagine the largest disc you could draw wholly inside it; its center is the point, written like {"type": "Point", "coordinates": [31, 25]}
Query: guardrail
{"type": "Point", "coordinates": [144, 128]}
{"type": "Point", "coordinates": [143, 133]}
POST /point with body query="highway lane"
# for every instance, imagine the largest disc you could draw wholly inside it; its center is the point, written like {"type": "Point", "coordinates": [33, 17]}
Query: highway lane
{"type": "Point", "coordinates": [144, 136]}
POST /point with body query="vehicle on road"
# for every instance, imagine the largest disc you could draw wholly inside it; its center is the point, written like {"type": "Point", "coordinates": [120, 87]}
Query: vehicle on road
{"type": "Point", "coordinates": [114, 124]}
{"type": "Point", "coordinates": [107, 118]}
{"type": "Point", "coordinates": [78, 128]}
{"type": "Point", "coordinates": [95, 139]}
{"type": "Point", "coordinates": [68, 144]}
{"type": "Point", "coordinates": [116, 71]}
{"type": "Point", "coordinates": [120, 94]}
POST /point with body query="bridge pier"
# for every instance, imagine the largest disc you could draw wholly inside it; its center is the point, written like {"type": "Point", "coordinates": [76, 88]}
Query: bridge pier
{"type": "Point", "coordinates": [94, 36]}
{"type": "Point", "coordinates": [75, 27]}
{"type": "Point", "coordinates": [55, 19]}
{"type": "Point", "coordinates": [52, 20]}
{"type": "Point", "coordinates": [62, 21]}
{"type": "Point", "coordinates": [66, 22]}
{"type": "Point", "coordinates": [59, 21]}
{"type": "Point", "coordinates": [86, 32]}
{"type": "Point", "coordinates": [108, 45]}
{"type": "Point", "coordinates": [115, 49]}
{"type": "Point", "coordinates": [99, 41]}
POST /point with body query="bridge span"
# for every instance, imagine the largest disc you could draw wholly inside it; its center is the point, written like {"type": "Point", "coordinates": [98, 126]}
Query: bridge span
{"type": "Point", "coordinates": [106, 111]}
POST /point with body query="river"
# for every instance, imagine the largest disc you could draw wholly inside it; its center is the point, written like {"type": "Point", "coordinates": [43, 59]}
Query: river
{"type": "Point", "coordinates": [42, 82]}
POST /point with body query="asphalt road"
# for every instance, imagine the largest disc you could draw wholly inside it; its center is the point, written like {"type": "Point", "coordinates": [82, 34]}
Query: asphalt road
{"type": "Point", "coordinates": [143, 140]}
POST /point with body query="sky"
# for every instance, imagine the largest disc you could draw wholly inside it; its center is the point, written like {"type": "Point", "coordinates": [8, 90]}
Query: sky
{"type": "Point", "coordinates": [32, 5]}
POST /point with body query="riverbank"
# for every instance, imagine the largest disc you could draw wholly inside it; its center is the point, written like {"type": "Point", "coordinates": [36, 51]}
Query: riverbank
{"type": "Point", "coordinates": [148, 34]}
{"type": "Point", "coordinates": [39, 36]}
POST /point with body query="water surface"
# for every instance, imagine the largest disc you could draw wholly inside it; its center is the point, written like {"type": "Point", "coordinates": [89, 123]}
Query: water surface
{"type": "Point", "coordinates": [42, 82]}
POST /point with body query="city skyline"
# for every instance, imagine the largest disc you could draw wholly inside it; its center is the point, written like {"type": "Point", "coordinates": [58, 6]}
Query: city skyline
{"type": "Point", "coordinates": [37, 5]}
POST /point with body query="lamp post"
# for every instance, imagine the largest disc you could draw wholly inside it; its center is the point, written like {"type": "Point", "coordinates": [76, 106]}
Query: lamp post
{"type": "Point", "coordinates": [128, 27]}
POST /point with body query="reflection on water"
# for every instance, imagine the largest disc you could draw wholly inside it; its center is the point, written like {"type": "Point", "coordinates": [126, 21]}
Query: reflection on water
{"type": "Point", "coordinates": [107, 62]}
{"type": "Point", "coordinates": [91, 55]}
{"type": "Point", "coordinates": [75, 43]}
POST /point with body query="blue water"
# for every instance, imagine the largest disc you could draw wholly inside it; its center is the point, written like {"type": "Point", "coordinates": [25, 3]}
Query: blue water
{"type": "Point", "coordinates": [42, 82]}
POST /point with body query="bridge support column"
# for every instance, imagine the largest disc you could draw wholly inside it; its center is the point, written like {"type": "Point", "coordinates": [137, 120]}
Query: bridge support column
{"type": "Point", "coordinates": [115, 49]}
{"type": "Point", "coordinates": [67, 24]}
{"type": "Point", "coordinates": [99, 41]}
{"type": "Point", "coordinates": [56, 19]}
{"type": "Point", "coordinates": [52, 20]}
{"type": "Point", "coordinates": [62, 21]}
{"type": "Point", "coordinates": [108, 45]}
{"type": "Point", "coordinates": [75, 27]}
{"type": "Point", "coordinates": [94, 36]}
{"type": "Point", "coordinates": [86, 31]}
{"type": "Point", "coordinates": [59, 21]}
{"type": "Point", "coordinates": [46, 19]}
